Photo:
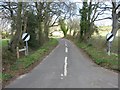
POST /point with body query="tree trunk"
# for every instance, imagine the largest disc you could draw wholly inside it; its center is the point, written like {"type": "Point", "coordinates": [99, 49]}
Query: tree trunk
{"type": "Point", "coordinates": [39, 7]}
{"type": "Point", "coordinates": [16, 38]}
{"type": "Point", "coordinates": [46, 31]}
{"type": "Point", "coordinates": [46, 25]}
{"type": "Point", "coordinates": [40, 32]}
{"type": "Point", "coordinates": [115, 22]}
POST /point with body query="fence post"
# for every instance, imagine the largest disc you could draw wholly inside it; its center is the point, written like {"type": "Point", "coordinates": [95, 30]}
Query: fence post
{"type": "Point", "coordinates": [18, 53]}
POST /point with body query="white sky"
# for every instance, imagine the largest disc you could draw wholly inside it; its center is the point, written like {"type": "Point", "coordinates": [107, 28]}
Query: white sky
{"type": "Point", "coordinates": [105, 22]}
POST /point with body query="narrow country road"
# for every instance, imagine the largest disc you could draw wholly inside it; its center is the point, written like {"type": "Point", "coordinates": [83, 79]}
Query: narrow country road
{"type": "Point", "coordinates": [67, 67]}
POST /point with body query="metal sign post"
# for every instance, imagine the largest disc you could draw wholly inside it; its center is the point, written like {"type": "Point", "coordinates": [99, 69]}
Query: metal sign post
{"type": "Point", "coordinates": [26, 48]}
{"type": "Point", "coordinates": [109, 48]}
{"type": "Point", "coordinates": [25, 38]}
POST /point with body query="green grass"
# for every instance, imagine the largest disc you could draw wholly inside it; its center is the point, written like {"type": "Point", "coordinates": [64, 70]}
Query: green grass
{"type": "Point", "coordinates": [4, 76]}
{"type": "Point", "coordinates": [25, 62]}
{"type": "Point", "coordinates": [100, 57]}
{"type": "Point", "coordinates": [3, 42]}
{"type": "Point", "coordinates": [28, 60]}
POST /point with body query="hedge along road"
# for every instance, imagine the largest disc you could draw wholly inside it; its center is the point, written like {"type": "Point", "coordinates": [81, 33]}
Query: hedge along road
{"type": "Point", "coordinates": [67, 67]}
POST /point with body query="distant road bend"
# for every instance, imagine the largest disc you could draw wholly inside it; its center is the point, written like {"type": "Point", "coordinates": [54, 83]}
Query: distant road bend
{"type": "Point", "coordinates": [67, 67]}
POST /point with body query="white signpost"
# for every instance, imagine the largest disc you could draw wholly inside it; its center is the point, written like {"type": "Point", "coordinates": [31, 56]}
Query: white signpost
{"type": "Point", "coordinates": [25, 37]}
{"type": "Point", "coordinates": [109, 38]}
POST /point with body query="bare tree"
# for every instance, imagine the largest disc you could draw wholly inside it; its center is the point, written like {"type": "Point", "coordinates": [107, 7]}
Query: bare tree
{"type": "Point", "coordinates": [115, 15]}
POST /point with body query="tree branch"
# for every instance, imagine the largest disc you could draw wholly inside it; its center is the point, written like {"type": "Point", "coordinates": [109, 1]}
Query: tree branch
{"type": "Point", "coordinates": [95, 10]}
{"type": "Point", "coordinates": [117, 7]}
{"type": "Point", "coordinates": [103, 18]}
{"type": "Point", "coordinates": [54, 22]}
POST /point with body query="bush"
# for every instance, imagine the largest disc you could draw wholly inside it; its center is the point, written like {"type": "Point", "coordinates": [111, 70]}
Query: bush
{"type": "Point", "coordinates": [7, 56]}
{"type": "Point", "coordinates": [5, 35]}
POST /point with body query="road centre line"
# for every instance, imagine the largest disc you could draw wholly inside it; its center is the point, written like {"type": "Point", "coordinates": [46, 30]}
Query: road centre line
{"type": "Point", "coordinates": [66, 50]}
{"type": "Point", "coordinates": [65, 69]}
{"type": "Point", "coordinates": [65, 44]}
{"type": "Point", "coordinates": [65, 66]}
{"type": "Point", "coordinates": [66, 59]}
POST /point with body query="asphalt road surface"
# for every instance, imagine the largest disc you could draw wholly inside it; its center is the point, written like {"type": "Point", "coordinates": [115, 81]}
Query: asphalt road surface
{"type": "Point", "coordinates": [67, 67]}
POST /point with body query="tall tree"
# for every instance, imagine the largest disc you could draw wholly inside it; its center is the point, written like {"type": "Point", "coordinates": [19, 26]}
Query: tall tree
{"type": "Point", "coordinates": [83, 21]}
{"type": "Point", "coordinates": [63, 26]}
{"type": "Point", "coordinates": [115, 5]}
{"type": "Point", "coordinates": [16, 38]}
{"type": "Point", "coordinates": [73, 25]}
{"type": "Point", "coordinates": [39, 8]}
{"type": "Point", "coordinates": [89, 14]}
{"type": "Point", "coordinates": [115, 15]}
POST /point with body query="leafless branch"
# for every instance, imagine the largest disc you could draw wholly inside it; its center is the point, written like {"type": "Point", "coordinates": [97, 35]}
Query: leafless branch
{"type": "Point", "coordinates": [117, 7]}
{"type": "Point", "coordinates": [54, 21]}
{"type": "Point", "coordinates": [103, 18]}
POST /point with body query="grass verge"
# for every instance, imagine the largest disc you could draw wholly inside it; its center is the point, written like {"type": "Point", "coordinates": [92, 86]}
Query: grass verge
{"type": "Point", "coordinates": [99, 56]}
{"type": "Point", "coordinates": [25, 64]}
{"type": "Point", "coordinates": [4, 42]}
{"type": "Point", "coordinates": [28, 60]}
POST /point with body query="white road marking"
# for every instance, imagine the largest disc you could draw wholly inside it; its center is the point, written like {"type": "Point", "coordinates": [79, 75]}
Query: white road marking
{"type": "Point", "coordinates": [65, 66]}
{"type": "Point", "coordinates": [66, 44]}
{"type": "Point", "coordinates": [61, 75]}
{"type": "Point", "coordinates": [66, 59]}
{"type": "Point", "coordinates": [65, 69]}
{"type": "Point", "coordinates": [66, 50]}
